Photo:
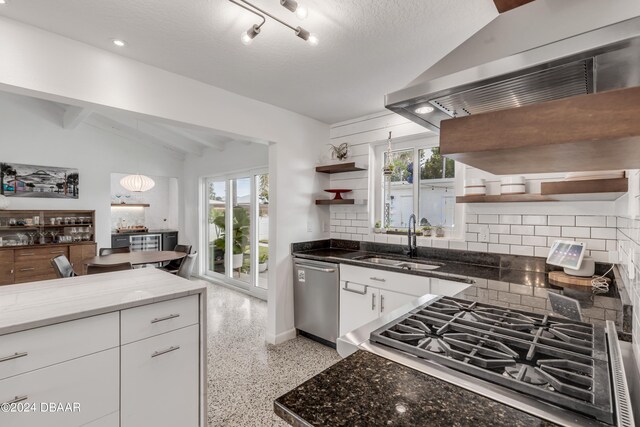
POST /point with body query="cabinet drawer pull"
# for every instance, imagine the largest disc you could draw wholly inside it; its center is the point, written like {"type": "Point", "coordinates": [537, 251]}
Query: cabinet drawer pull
{"type": "Point", "coordinates": [13, 356]}
{"type": "Point", "coordinates": [56, 252]}
{"type": "Point", "coordinates": [373, 301]}
{"type": "Point", "coordinates": [162, 319]}
{"type": "Point", "coordinates": [17, 399]}
{"type": "Point", "coordinates": [28, 269]}
{"type": "Point", "coordinates": [169, 350]}
{"type": "Point", "coordinates": [27, 254]}
{"type": "Point", "coordinates": [346, 288]}
{"type": "Point", "coordinates": [378, 279]}
{"type": "Point", "coordinates": [381, 303]}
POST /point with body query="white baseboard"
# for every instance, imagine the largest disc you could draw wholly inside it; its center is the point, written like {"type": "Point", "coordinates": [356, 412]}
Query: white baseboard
{"type": "Point", "coordinates": [281, 337]}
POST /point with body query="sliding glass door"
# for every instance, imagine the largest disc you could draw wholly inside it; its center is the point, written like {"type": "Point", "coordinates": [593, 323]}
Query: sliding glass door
{"type": "Point", "coordinates": [237, 229]}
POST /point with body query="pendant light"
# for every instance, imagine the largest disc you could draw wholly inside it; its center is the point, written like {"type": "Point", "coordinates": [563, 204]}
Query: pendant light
{"type": "Point", "coordinates": [137, 183]}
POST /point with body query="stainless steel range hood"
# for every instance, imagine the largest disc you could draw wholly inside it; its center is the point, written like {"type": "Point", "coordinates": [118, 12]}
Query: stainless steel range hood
{"type": "Point", "coordinates": [542, 51]}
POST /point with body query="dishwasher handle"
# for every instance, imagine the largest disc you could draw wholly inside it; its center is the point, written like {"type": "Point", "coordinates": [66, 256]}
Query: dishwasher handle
{"type": "Point", "coordinates": [314, 268]}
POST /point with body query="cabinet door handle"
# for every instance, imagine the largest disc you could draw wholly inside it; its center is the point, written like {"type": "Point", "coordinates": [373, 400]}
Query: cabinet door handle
{"type": "Point", "coordinates": [378, 279]}
{"type": "Point", "coordinates": [28, 269]}
{"type": "Point", "coordinates": [13, 356]}
{"type": "Point", "coordinates": [169, 350]}
{"type": "Point", "coordinates": [27, 254]}
{"type": "Point", "coordinates": [381, 303]}
{"type": "Point", "coordinates": [162, 319]}
{"type": "Point", "coordinates": [17, 399]}
{"type": "Point", "coordinates": [56, 252]}
{"type": "Point", "coordinates": [346, 288]}
{"type": "Point", "coordinates": [373, 301]}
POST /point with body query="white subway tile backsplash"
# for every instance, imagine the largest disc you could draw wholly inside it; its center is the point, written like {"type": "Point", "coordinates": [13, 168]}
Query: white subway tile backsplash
{"type": "Point", "coordinates": [477, 247]}
{"type": "Point", "coordinates": [600, 256]}
{"type": "Point", "coordinates": [542, 230]}
{"type": "Point", "coordinates": [595, 244]}
{"type": "Point", "coordinates": [510, 239]}
{"type": "Point", "coordinates": [475, 228]}
{"type": "Point", "coordinates": [534, 219]}
{"type": "Point", "coordinates": [472, 219]}
{"type": "Point", "coordinates": [603, 233]}
{"type": "Point", "coordinates": [488, 219]}
{"type": "Point", "coordinates": [380, 238]}
{"type": "Point", "coordinates": [534, 240]}
{"type": "Point", "coordinates": [442, 244]}
{"type": "Point", "coordinates": [525, 230]}
{"type": "Point", "coordinates": [611, 221]}
{"type": "Point", "coordinates": [562, 220]}
{"type": "Point", "coordinates": [584, 232]}
{"type": "Point", "coordinates": [471, 237]}
{"type": "Point", "coordinates": [522, 250]}
{"type": "Point", "coordinates": [459, 245]}
{"type": "Point", "coordinates": [396, 240]}
{"type": "Point", "coordinates": [541, 251]}
{"type": "Point", "coordinates": [591, 221]}
{"type": "Point", "coordinates": [510, 219]}
{"type": "Point", "coordinates": [499, 228]}
{"type": "Point", "coordinates": [499, 249]}
{"type": "Point", "coordinates": [351, 215]}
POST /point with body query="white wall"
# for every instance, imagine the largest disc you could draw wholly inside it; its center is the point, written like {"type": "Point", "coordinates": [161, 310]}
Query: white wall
{"type": "Point", "coordinates": [31, 132]}
{"type": "Point", "coordinates": [50, 66]}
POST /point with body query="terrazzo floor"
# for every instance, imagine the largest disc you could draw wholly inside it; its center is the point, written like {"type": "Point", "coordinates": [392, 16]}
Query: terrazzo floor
{"type": "Point", "coordinates": [245, 374]}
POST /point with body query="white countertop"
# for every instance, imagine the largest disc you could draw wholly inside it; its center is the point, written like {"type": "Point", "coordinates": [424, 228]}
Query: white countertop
{"type": "Point", "coordinates": [31, 305]}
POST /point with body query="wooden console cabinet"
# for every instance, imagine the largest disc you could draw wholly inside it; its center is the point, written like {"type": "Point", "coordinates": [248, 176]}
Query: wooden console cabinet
{"type": "Point", "coordinates": [29, 239]}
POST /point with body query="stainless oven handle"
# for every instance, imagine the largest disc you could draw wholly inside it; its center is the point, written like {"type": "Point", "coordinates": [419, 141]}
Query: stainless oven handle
{"type": "Point", "coordinates": [346, 288]}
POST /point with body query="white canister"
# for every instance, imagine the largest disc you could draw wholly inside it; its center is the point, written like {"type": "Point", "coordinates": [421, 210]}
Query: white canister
{"type": "Point", "coordinates": [512, 185]}
{"type": "Point", "coordinates": [475, 187]}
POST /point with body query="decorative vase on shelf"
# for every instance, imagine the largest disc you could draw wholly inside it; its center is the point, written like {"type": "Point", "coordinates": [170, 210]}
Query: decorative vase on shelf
{"type": "Point", "coordinates": [340, 152]}
{"type": "Point", "coordinates": [4, 202]}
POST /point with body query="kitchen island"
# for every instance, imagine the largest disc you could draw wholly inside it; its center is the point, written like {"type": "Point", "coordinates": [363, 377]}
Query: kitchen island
{"type": "Point", "coordinates": [125, 349]}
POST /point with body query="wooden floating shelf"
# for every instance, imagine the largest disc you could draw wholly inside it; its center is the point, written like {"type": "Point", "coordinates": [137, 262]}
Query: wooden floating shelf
{"type": "Point", "coordinates": [335, 202]}
{"type": "Point", "coordinates": [587, 190]}
{"type": "Point", "coordinates": [137, 205]}
{"type": "Point", "coordinates": [340, 167]}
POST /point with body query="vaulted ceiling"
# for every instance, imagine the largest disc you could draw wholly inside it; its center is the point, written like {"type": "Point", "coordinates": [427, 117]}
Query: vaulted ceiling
{"type": "Point", "coordinates": [367, 48]}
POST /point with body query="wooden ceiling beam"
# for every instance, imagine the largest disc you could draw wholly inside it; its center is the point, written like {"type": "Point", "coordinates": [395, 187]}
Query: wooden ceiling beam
{"type": "Point", "coordinates": [507, 5]}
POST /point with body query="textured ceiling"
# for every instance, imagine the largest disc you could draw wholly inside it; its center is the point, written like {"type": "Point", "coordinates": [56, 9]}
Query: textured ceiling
{"type": "Point", "coordinates": [367, 47]}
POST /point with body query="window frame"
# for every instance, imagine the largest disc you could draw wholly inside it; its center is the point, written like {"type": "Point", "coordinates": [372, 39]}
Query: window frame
{"type": "Point", "coordinates": [428, 142]}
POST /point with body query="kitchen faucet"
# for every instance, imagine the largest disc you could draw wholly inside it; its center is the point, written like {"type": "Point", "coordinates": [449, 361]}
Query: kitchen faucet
{"type": "Point", "coordinates": [411, 240]}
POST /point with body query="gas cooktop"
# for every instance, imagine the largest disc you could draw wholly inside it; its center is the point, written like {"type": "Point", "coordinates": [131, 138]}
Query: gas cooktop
{"type": "Point", "coordinates": [562, 362]}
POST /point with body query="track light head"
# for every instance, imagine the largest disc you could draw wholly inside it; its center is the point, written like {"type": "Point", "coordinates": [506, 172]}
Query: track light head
{"type": "Point", "coordinates": [307, 36]}
{"type": "Point", "coordinates": [296, 7]}
{"type": "Point", "coordinates": [247, 37]}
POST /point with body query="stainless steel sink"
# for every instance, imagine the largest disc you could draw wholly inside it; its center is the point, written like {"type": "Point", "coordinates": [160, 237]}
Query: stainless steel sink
{"type": "Point", "coordinates": [405, 265]}
{"type": "Point", "coordinates": [417, 266]}
{"type": "Point", "coordinates": [381, 261]}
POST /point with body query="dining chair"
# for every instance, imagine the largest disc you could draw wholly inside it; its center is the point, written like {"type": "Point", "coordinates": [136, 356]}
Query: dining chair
{"type": "Point", "coordinates": [62, 267]}
{"type": "Point", "coordinates": [174, 266]}
{"type": "Point", "coordinates": [109, 251]}
{"type": "Point", "coordinates": [97, 269]}
{"type": "Point", "coordinates": [187, 265]}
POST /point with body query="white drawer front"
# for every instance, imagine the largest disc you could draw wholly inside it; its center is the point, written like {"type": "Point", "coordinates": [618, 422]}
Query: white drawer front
{"type": "Point", "coordinates": [155, 319]}
{"type": "Point", "coordinates": [160, 380]}
{"type": "Point", "coordinates": [25, 351]}
{"type": "Point", "coordinates": [410, 284]}
{"type": "Point", "coordinates": [90, 381]}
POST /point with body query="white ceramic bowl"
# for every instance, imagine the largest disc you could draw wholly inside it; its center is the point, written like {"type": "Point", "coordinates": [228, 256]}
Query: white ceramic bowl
{"type": "Point", "coordinates": [475, 191]}
{"type": "Point", "coordinates": [512, 180]}
{"type": "Point", "coordinates": [513, 189]}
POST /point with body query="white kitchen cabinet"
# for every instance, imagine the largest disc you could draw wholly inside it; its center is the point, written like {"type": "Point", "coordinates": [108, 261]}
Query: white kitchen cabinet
{"type": "Point", "coordinates": [367, 293]}
{"type": "Point", "coordinates": [160, 380]}
{"type": "Point", "coordinates": [358, 305]}
{"type": "Point", "coordinates": [447, 288]}
{"type": "Point", "coordinates": [90, 384]}
{"type": "Point", "coordinates": [389, 301]}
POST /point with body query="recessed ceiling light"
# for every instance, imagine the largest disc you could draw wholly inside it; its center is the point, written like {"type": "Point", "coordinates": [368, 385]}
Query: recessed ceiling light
{"type": "Point", "coordinates": [117, 42]}
{"type": "Point", "coordinates": [424, 110]}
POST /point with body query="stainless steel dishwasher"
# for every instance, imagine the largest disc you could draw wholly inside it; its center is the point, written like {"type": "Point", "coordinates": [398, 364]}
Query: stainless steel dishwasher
{"type": "Point", "coordinates": [316, 293]}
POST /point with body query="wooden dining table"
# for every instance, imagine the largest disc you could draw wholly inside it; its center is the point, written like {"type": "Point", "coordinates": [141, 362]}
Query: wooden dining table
{"type": "Point", "coordinates": [135, 258]}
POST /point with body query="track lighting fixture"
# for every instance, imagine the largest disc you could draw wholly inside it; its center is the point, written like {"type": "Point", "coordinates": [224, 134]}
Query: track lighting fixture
{"type": "Point", "coordinates": [296, 7]}
{"type": "Point", "coordinates": [248, 36]}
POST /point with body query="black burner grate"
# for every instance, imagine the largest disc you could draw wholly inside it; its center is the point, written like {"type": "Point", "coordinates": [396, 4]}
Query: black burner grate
{"type": "Point", "coordinates": [557, 360]}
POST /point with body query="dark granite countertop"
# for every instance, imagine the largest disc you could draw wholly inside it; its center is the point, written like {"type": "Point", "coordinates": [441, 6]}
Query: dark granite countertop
{"type": "Point", "coordinates": [517, 282]}
{"type": "Point", "coordinates": [367, 390]}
